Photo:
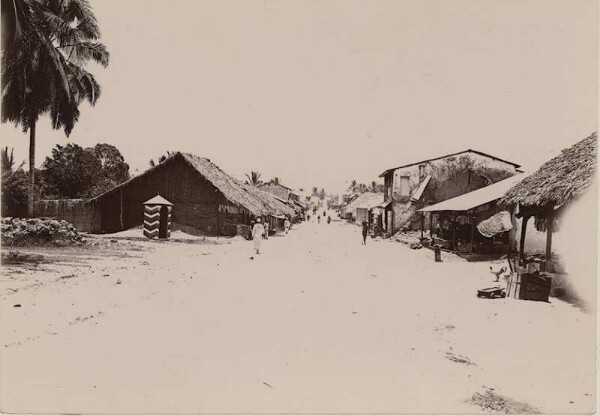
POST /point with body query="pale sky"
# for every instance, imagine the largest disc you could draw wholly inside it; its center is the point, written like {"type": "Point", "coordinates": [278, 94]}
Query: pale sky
{"type": "Point", "coordinates": [321, 92]}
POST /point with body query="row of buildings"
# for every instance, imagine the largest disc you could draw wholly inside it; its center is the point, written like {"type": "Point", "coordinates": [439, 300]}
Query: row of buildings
{"type": "Point", "coordinates": [475, 202]}
{"type": "Point", "coordinates": [202, 195]}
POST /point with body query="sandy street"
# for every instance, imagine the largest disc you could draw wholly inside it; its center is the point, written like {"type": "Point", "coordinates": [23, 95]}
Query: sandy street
{"type": "Point", "coordinates": [317, 323]}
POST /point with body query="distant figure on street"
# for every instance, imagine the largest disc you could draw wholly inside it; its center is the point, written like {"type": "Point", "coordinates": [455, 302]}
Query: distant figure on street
{"type": "Point", "coordinates": [319, 219]}
{"type": "Point", "coordinates": [365, 231]}
{"type": "Point", "coordinates": [258, 232]}
{"type": "Point", "coordinates": [324, 214]}
{"type": "Point", "coordinates": [266, 229]}
{"type": "Point", "coordinates": [286, 225]}
{"type": "Point", "coordinates": [307, 217]}
{"type": "Point", "coordinates": [251, 229]}
{"type": "Point", "coordinates": [328, 220]}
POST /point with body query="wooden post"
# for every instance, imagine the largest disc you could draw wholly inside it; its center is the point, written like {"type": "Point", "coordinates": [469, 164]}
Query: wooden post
{"type": "Point", "coordinates": [453, 231]}
{"type": "Point", "coordinates": [422, 225]}
{"type": "Point", "coordinates": [549, 226]}
{"type": "Point", "coordinates": [523, 235]}
{"type": "Point", "coordinates": [472, 233]}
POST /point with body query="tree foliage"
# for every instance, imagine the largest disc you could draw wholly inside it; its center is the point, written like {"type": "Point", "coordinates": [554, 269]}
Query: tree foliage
{"type": "Point", "coordinates": [46, 46]}
{"type": "Point", "coordinates": [15, 186]}
{"type": "Point", "coordinates": [161, 158]}
{"type": "Point", "coordinates": [74, 172]}
{"type": "Point", "coordinates": [253, 178]}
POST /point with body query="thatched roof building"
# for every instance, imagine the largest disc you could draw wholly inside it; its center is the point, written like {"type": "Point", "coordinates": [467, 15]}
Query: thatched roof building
{"type": "Point", "coordinates": [555, 184]}
{"type": "Point", "coordinates": [559, 180]}
{"type": "Point", "coordinates": [203, 196]}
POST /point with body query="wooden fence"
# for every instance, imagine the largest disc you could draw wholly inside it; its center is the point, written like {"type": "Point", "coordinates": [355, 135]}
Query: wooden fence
{"type": "Point", "coordinates": [84, 215]}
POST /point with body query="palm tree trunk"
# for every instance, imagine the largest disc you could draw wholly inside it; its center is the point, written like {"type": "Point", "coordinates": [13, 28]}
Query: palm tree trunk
{"type": "Point", "coordinates": [30, 196]}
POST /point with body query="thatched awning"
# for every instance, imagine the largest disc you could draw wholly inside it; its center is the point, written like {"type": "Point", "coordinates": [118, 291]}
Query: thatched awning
{"type": "Point", "coordinates": [559, 180]}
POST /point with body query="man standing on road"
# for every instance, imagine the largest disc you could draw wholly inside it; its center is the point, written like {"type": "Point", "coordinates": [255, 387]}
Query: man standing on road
{"type": "Point", "coordinates": [258, 232]}
{"type": "Point", "coordinates": [286, 225]}
{"type": "Point", "coordinates": [365, 231]}
{"type": "Point", "coordinates": [319, 219]}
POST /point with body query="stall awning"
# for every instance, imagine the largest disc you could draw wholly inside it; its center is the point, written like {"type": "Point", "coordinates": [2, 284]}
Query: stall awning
{"type": "Point", "coordinates": [476, 198]}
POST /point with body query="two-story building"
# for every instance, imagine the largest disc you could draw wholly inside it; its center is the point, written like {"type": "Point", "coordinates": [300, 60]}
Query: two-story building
{"type": "Point", "coordinates": [413, 186]}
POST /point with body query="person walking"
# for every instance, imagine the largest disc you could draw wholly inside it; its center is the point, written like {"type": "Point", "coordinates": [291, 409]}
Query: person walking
{"type": "Point", "coordinates": [308, 217]}
{"type": "Point", "coordinates": [365, 231]}
{"type": "Point", "coordinates": [258, 232]}
{"type": "Point", "coordinates": [286, 225]}
{"type": "Point", "coordinates": [328, 219]}
{"type": "Point", "coordinates": [319, 219]}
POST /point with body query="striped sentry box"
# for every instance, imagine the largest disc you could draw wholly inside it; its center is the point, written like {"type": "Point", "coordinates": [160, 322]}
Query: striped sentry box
{"type": "Point", "coordinates": [157, 211]}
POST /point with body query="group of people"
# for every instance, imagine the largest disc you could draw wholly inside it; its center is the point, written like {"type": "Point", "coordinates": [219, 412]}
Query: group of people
{"type": "Point", "coordinates": [260, 231]}
{"type": "Point", "coordinates": [319, 216]}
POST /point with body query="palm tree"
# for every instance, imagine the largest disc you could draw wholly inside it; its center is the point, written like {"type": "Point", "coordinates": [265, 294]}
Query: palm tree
{"type": "Point", "coordinates": [161, 158]}
{"type": "Point", "coordinates": [374, 186]}
{"type": "Point", "coordinates": [8, 161]}
{"type": "Point", "coordinates": [253, 178]}
{"type": "Point", "coordinates": [45, 47]}
{"type": "Point", "coordinates": [353, 185]}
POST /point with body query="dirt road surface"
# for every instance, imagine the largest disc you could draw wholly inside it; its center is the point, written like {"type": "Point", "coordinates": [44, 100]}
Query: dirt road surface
{"type": "Point", "coordinates": [318, 323]}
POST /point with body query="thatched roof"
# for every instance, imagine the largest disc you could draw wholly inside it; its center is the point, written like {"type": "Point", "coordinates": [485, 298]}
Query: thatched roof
{"type": "Point", "coordinates": [559, 180]}
{"type": "Point", "coordinates": [233, 190]}
{"type": "Point", "coordinates": [252, 199]}
{"type": "Point", "coordinates": [271, 205]}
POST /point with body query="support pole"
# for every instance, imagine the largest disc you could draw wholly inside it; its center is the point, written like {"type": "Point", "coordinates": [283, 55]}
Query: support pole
{"type": "Point", "coordinates": [472, 233]}
{"type": "Point", "coordinates": [431, 225]}
{"type": "Point", "coordinates": [523, 235]}
{"type": "Point", "coordinates": [549, 226]}
{"type": "Point", "coordinates": [453, 231]}
{"type": "Point", "coordinates": [422, 225]}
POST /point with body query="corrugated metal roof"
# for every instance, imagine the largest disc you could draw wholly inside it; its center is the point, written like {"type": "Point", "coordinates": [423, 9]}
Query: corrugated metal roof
{"type": "Point", "coordinates": [476, 198]}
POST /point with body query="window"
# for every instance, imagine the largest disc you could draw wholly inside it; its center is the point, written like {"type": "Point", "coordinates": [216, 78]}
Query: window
{"type": "Point", "coordinates": [404, 185]}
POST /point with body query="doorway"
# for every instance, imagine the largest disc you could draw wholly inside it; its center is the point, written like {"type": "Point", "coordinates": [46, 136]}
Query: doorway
{"type": "Point", "coordinates": [163, 222]}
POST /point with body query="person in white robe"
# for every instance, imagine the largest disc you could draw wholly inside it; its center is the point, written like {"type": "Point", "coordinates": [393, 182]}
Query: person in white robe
{"type": "Point", "coordinates": [287, 225]}
{"type": "Point", "coordinates": [258, 233]}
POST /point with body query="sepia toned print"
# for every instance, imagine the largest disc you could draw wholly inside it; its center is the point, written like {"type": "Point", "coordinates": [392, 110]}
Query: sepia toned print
{"type": "Point", "coordinates": [299, 207]}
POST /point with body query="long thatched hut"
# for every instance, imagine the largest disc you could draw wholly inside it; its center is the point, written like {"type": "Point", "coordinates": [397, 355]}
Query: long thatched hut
{"type": "Point", "coordinates": [203, 197]}
{"type": "Point", "coordinates": [554, 186]}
